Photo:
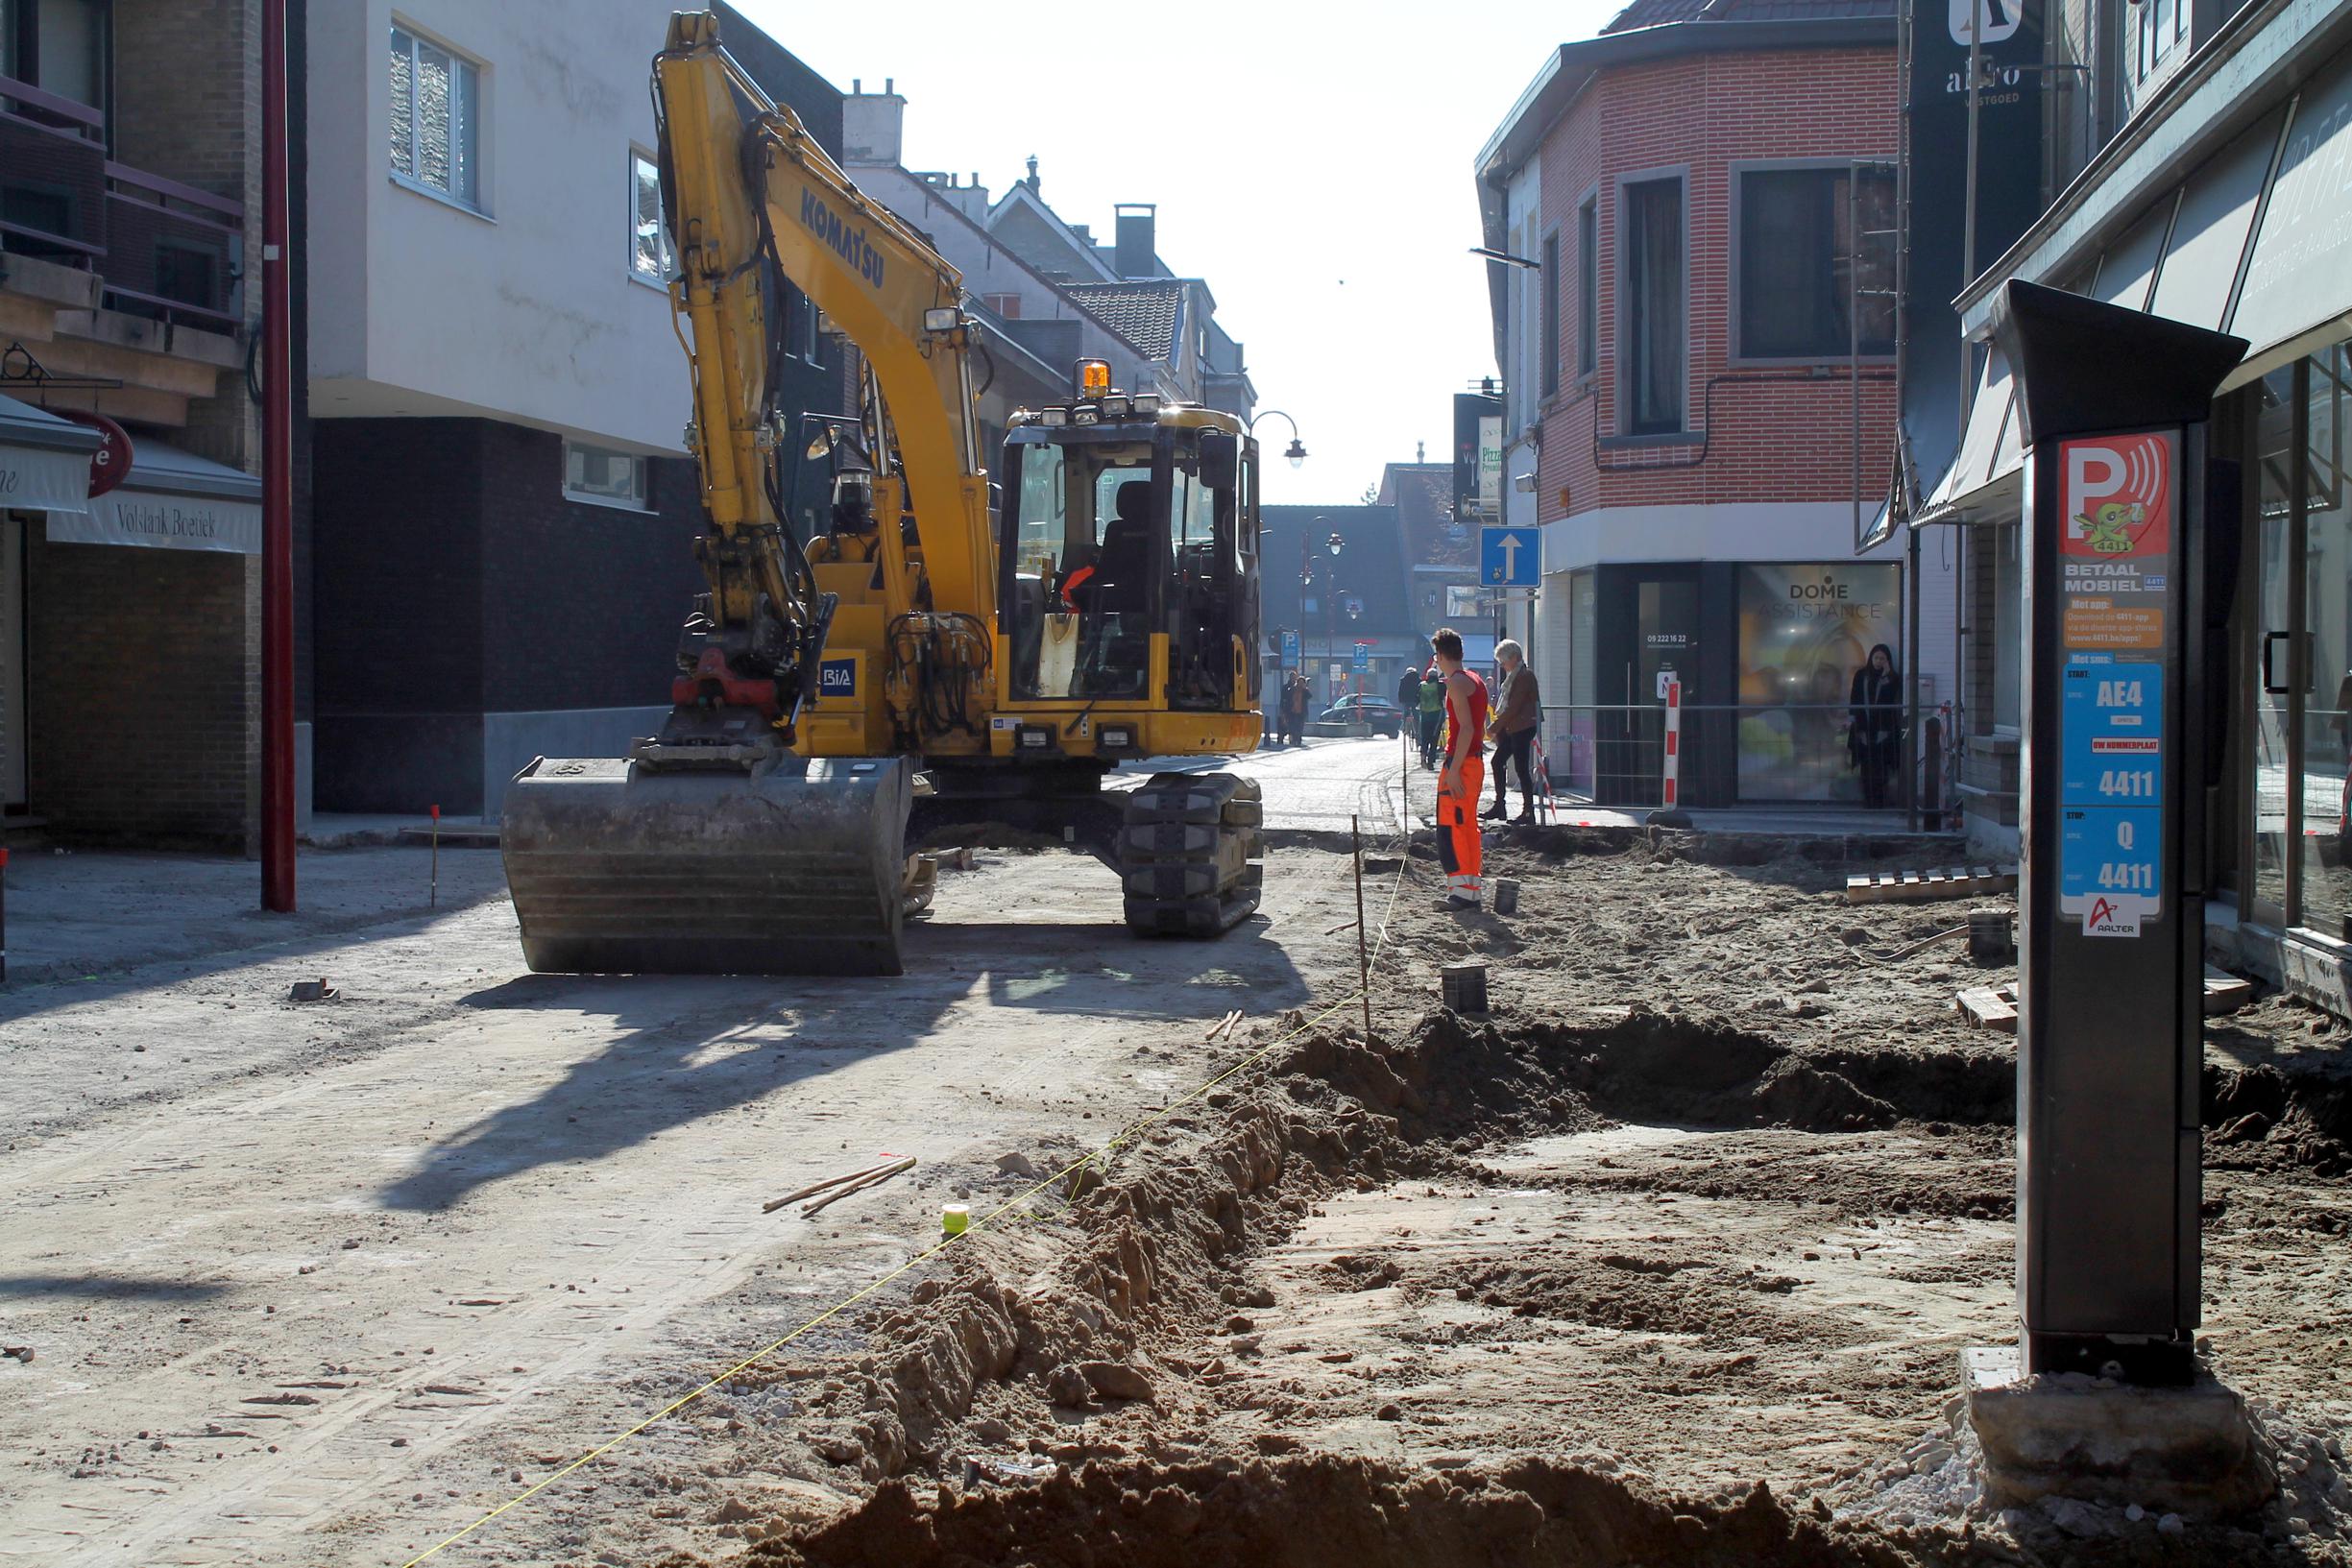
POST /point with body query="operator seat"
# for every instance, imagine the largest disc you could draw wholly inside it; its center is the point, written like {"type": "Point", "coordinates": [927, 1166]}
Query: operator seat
{"type": "Point", "coordinates": [1126, 562]}
{"type": "Point", "coordinates": [1118, 641]}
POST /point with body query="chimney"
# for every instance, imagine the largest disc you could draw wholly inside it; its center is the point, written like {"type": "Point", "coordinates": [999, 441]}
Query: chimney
{"type": "Point", "coordinates": [1420, 452]}
{"type": "Point", "coordinates": [1135, 253]}
{"type": "Point", "coordinates": [1033, 174]}
{"type": "Point", "coordinates": [873, 124]}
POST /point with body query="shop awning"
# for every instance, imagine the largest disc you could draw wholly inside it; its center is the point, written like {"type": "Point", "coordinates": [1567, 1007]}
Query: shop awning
{"type": "Point", "coordinates": [2252, 240]}
{"type": "Point", "coordinates": [44, 461]}
{"type": "Point", "coordinates": [171, 500]}
{"type": "Point", "coordinates": [1987, 476]}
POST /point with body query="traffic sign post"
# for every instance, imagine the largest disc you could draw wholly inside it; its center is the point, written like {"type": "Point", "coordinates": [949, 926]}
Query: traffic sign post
{"type": "Point", "coordinates": [2128, 574]}
{"type": "Point", "coordinates": [1510, 557]}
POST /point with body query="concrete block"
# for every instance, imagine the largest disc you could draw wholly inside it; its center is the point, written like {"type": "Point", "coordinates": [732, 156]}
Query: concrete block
{"type": "Point", "coordinates": [2189, 1451]}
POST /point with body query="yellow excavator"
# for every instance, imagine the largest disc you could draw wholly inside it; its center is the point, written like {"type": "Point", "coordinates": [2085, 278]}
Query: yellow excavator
{"type": "Point", "coordinates": [940, 656]}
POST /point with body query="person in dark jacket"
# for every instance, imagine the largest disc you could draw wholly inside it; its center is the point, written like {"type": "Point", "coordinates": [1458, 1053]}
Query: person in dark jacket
{"type": "Point", "coordinates": [1516, 717]}
{"type": "Point", "coordinates": [1294, 695]}
{"type": "Point", "coordinates": [1874, 732]}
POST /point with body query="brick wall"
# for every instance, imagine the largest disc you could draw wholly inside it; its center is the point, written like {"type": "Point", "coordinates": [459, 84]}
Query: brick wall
{"type": "Point", "coordinates": [143, 694]}
{"type": "Point", "coordinates": [1703, 112]}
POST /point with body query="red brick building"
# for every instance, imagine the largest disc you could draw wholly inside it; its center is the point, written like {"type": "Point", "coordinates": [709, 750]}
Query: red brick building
{"type": "Point", "coordinates": [1697, 397]}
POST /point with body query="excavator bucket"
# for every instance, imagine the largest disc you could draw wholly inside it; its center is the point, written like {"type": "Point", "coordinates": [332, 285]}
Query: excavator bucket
{"type": "Point", "coordinates": [795, 869]}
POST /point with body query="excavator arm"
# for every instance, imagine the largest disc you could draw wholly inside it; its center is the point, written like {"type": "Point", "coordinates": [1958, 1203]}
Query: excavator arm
{"type": "Point", "coordinates": [751, 201]}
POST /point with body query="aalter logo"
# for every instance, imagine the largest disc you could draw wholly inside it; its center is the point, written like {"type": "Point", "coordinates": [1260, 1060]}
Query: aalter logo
{"type": "Point", "coordinates": [1999, 19]}
{"type": "Point", "coordinates": [2117, 496]}
{"type": "Point", "coordinates": [2105, 919]}
{"type": "Point", "coordinates": [838, 677]}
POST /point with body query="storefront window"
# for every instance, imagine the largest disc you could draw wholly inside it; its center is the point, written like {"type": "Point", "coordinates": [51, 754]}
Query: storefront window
{"type": "Point", "coordinates": [2008, 604]}
{"type": "Point", "coordinates": [2327, 613]}
{"type": "Point", "coordinates": [1805, 632]}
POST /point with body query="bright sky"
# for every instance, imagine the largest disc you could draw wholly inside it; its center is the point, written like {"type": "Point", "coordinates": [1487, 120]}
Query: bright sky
{"type": "Point", "coordinates": [1312, 162]}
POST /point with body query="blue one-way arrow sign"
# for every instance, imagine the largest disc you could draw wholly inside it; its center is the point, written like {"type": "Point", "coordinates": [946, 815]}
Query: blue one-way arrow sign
{"type": "Point", "coordinates": [1510, 557]}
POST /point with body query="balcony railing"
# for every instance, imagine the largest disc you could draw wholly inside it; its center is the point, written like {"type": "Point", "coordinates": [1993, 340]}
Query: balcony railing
{"type": "Point", "coordinates": [159, 249]}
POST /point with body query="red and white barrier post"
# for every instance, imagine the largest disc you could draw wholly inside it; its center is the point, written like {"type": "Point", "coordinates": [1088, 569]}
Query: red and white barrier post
{"type": "Point", "coordinates": [1674, 744]}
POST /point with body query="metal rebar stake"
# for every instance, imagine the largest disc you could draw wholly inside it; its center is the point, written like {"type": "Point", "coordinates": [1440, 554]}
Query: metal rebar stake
{"type": "Point", "coordinates": [1363, 962]}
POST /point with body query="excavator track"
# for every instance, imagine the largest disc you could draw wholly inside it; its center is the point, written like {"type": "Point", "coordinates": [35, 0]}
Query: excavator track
{"type": "Point", "coordinates": [1190, 848]}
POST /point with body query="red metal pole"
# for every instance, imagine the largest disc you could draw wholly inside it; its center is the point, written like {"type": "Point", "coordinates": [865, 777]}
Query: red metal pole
{"type": "Point", "coordinates": [277, 479]}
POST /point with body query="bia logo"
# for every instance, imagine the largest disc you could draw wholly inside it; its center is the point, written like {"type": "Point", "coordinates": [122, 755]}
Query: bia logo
{"type": "Point", "coordinates": [838, 677]}
{"type": "Point", "coordinates": [1997, 19]}
{"type": "Point", "coordinates": [2117, 496]}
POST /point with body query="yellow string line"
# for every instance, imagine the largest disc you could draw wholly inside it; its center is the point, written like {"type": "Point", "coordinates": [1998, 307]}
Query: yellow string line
{"type": "Point", "coordinates": [1123, 1136]}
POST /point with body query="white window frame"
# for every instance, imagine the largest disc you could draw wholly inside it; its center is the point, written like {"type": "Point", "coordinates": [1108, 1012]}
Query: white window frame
{"type": "Point", "coordinates": [643, 468]}
{"type": "Point", "coordinates": [1737, 222]}
{"type": "Point", "coordinates": [479, 204]}
{"type": "Point", "coordinates": [1588, 288]}
{"type": "Point", "coordinates": [1622, 265]}
{"type": "Point", "coordinates": [669, 262]}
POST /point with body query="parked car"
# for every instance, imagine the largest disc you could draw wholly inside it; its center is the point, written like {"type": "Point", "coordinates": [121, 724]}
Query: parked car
{"type": "Point", "coordinates": [1356, 715]}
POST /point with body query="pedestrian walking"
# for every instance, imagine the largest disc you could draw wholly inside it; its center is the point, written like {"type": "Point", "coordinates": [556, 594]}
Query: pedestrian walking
{"type": "Point", "coordinates": [1873, 725]}
{"type": "Point", "coordinates": [1408, 689]}
{"type": "Point", "coordinates": [1461, 781]}
{"type": "Point", "coordinates": [1295, 694]}
{"type": "Point", "coordinates": [1430, 712]}
{"type": "Point", "coordinates": [1515, 718]}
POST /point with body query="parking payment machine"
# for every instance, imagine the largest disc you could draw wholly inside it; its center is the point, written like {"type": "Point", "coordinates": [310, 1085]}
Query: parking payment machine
{"type": "Point", "coordinates": [2129, 575]}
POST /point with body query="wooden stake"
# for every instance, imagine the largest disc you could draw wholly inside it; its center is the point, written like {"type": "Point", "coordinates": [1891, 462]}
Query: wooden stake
{"type": "Point", "coordinates": [873, 1179]}
{"type": "Point", "coordinates": [794, 1197]}
{"type": "Point", "coordinates": [432, 890]}
{"type": "Point", "coordinates": [1363, 962]}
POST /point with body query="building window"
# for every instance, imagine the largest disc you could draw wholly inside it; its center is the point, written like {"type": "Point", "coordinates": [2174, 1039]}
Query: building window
{"type": "Point", "coordinates": [436, 109]}
{"type": "Point", "coordinates": [1007, 306]}
{"type": "Point", "coordinates": [1796, 261]}
{"type": "Point", "coordinates": [1651, 358]}
{"type": "Point", "coordinates": [1551, 314]}
{"type": "Point", "coordinates": [604, 476]}
{"type": "Point", "coordinates": [1588, 286]}
{"type": "Point", "coordinates": [57, 45]}
{"type": "Point", "coordinates": [648, 239]}
{"type": "Point", "coordinates": [187, 275]}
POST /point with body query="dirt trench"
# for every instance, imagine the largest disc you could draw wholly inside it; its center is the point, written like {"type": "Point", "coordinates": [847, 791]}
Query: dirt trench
{"type": "Point", "coordinates": [1228, 1351]}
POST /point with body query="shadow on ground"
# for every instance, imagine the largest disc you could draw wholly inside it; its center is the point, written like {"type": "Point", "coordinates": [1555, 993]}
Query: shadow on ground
{"type": "Point", "coordinates": [689, 1047]}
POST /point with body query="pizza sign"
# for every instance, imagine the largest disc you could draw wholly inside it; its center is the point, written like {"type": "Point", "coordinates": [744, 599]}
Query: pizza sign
{"type": "Point", "coordinates": [2117, 493]}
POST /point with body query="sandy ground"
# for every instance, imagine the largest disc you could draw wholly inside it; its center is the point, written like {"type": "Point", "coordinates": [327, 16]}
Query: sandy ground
{"type": "Point", "coordinates": [318, 1283]}
{"type": "Point", "coordinates": [1669, 1261]}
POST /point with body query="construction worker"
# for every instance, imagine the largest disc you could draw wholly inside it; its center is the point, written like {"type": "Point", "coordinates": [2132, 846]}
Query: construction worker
{"type": "Point", "coordinates": [1515, 718]}
{"type": "Point", "coordinates": [1461, 781]}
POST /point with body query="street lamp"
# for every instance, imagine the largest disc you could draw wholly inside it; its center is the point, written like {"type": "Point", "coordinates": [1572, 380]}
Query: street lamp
{"type": "Point", "coordinates": [1297, 451]}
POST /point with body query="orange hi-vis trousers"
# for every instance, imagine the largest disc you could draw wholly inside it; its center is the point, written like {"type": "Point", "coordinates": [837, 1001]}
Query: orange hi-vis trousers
{"type": "Point", "coordinates": [1458, 850]}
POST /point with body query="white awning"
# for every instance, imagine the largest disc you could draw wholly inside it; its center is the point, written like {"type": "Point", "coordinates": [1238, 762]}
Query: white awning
{"type": "Point", "coordinates": [171, 500]}
{"type": "Point", "coordinates": [1986, 476]}
{"type": "Point", "coordinates": [44, 461]}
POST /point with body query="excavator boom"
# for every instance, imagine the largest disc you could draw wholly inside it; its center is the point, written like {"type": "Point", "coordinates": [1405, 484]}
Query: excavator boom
{"type": "Point", "coordinates": [1110, 613]}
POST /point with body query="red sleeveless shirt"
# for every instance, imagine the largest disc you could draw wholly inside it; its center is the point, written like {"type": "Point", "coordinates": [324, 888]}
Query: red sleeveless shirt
{"type": "Point", "coordinates": [1478, 720]}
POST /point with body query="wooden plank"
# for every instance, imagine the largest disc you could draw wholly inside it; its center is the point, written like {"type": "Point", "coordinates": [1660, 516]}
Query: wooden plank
{"type": "Point", "coordinates": [2224, 991]}
{"type": "Point", "coordinates": [1985, 1008]}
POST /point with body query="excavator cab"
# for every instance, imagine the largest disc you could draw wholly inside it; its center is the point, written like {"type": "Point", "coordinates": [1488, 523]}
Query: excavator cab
{"type": "Point", "coordinates": [1128, 542]}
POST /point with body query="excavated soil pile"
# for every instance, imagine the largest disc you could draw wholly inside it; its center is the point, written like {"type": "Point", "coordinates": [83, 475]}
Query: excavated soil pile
{"type": "Point", "coordinates": [1656, 1288]}
{"type": "Point", "coordinates": [1322, 1513]}
{"type": "Point", "coordinates": [1669, 1261]}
